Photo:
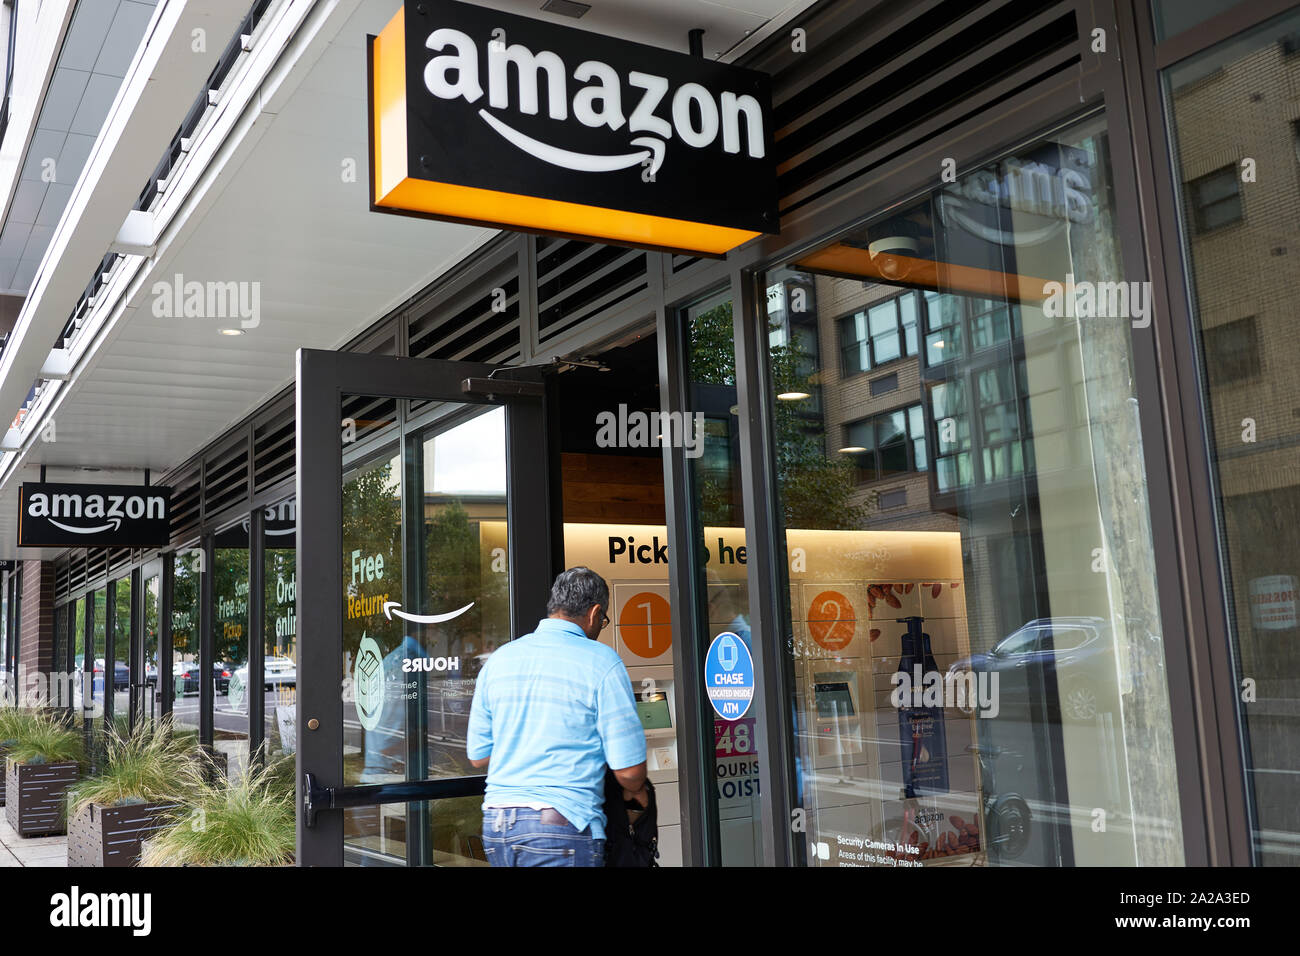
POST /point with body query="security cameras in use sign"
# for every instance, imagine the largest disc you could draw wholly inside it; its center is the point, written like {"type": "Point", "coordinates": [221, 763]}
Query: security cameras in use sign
{"type": "Point", "coordinates": [486, 117]}
{"type": "Point", "coordinates": [105, 516]}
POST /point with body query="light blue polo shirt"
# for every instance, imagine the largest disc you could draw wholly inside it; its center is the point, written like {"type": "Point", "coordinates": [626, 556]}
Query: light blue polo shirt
{"type": "Point", "coordinates": [552, 709]}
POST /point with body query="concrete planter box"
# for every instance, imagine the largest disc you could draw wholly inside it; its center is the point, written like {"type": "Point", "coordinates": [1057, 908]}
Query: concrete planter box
{"type": "Point", "coordinates": [36, 797]}
{"type": "Point", "coordinates": [113, 836]}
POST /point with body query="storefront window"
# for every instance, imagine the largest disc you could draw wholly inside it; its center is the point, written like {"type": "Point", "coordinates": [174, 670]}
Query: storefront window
{"type": "Point", "coordinates": [1172, 17]}
{"type": "Point", "coordinates": [93, 664]}
{"type": "Point", "coordinates": [6, 681]}
{"type": "Point", "coordinates": [978, 667]}
{"type": "Point", "coordinates": [716, 488]}
{"type": "Point", "coordinates": [230, 649]}
{"type": "Point", "coordinates": [78, 637]}
{"type": "Point", "coordinates": [185, 676]}
{"type": "Point", "coordinates": [59, 665]}
{"type": "Point", "coordinates": [119, 673]}
{"type": "Point", "coordinates": [280, 629]}
{"type": "Point", "coordinates": [14, 656]}
{"type": "Point", "coordinates": [1231, 111]}
{"type": "Point", "coordinates": [149, 692]}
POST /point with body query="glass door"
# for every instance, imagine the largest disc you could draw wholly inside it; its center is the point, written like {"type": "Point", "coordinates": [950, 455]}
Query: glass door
{"type": "Point", "coordinates": [279, 629]}
{"type": "Point", "coordinates": [425, 541]}
{"type": "Point", "coordinates": [230, 652]}
{"type": "Point", "coordinates": [145, 696]}
{"type": "Point", "coordinates": [117, 665]}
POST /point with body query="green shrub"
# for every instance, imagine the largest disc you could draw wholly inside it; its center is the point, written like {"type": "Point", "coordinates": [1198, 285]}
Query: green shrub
{"type": "Point", "coordinates": [13, 722]}
{"type": "Point", "coordinates": [281, 772]}
{"type": "Point", "coordinates": [246, 822]}
{"type": "Point", "coordinates": [149, 766]}
{"type": "Point", "coordinates": [46, 739]}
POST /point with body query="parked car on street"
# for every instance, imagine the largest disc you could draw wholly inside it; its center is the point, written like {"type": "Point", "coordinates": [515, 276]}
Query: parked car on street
{"type": "Point", "coordinates": [276, 672]}
{"type": "Point", "coordinates": [186, 676]}
{"type": "Point", "coordinates": [121, 675]}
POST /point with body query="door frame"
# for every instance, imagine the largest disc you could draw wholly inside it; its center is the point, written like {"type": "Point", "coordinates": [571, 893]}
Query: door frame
{"type": "Point", "coordinates": [322, 379]}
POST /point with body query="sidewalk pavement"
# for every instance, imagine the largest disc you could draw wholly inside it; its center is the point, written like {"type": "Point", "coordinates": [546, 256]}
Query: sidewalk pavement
{"type": "Point", "coordinates": [30, 851]}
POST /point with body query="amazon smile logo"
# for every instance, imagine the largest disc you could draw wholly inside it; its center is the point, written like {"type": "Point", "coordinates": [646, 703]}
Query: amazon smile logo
{"type": "Point", "coordinates": [94, 513]}
{"type": "Point", "coordinates": [644, 107]}
{"type": "Point", "coordinates": [391, 608]}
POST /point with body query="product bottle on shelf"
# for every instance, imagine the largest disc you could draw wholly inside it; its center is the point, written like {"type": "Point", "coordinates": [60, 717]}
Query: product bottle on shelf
{"type": "Point", "coordinates": [920, 728]}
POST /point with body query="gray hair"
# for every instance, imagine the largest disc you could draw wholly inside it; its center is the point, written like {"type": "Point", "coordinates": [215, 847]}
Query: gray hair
{"type": "Point", "coordinates": [576, 591]}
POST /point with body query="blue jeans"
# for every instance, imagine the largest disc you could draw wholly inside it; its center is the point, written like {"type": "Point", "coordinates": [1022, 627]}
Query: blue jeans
{"type": "Point", "coordinates": [516, 836]}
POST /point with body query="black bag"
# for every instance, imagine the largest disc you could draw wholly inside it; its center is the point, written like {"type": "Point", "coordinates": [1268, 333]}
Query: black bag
{"type": "Point", "coordinates": [629, 844]}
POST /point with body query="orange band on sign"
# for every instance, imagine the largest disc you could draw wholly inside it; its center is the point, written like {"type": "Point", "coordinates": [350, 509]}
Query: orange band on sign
{"type": "Point", "coordinates": [832, 621]}
{"type": "Point", "coordinates": [396, 190]}
{"type": "Point", "coordinates": [646, 624]}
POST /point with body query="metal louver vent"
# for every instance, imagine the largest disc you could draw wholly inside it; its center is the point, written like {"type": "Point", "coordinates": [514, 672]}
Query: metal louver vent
{"type": "Point", "coordinates": [479, 325]}
{"type": "Point", "coordinates": [577, 280]}
{"type": "Point", "coordinates": [225, 478]}
{"type": "Point", "coordinates": [77, 572]}
{"type": "Point", "coordinates": [274, 445]}
{"type": "Point", "coordinates": [118, 558]}
{"type": "Point", "coordinates": [682, 263]}
{"type": "Point", "coordinates": [368, 415]}
{"type": "Point", "coordinates": [186, 501]}
{"type": "Point", "coordinates": [920, 70]}
{"type": "Point", "coordinates": [96, 565]}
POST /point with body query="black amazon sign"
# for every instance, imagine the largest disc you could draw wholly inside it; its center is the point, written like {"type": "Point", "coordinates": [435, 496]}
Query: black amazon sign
{"type": "Point", "coordinates": [485, 117]}
{"type": "Point", "coordinates": [104, 516]}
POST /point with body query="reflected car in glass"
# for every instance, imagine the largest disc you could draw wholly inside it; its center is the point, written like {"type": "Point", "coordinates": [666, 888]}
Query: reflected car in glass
{"type": "Point", "coordinates": [1080, 651]}
{"type": "Point", "coordinates": [276, 672]}
{"type": "Point", "coordinates": [121, 675]}
{"type": "Point", "coordinates": [186, 677]}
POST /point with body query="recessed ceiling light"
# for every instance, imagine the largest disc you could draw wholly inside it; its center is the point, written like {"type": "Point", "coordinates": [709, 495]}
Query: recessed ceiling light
{"type": "Point", "coordinates": [793, 396]}
{"type": "Point", "coordinates": [852, 450]}
{"type": "Point", "coordinates": [939, 344]}
{"type": "Point", "coordinates": [566, 8]}
{"type": "Point", "coordinates": [231, 331]}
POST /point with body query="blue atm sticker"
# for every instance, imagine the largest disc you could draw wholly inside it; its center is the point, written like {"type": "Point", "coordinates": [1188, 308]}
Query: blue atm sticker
{"type": "Point", "coordinates": [729, 676]}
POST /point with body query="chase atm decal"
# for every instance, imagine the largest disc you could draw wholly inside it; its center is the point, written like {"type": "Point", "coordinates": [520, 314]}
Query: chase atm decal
{"type": "Point", "coordinates": [486, 117]}
{"type": "Point", "coordinates": [729, 676]}
{"type": "Point", "coordinates": [113, 516]}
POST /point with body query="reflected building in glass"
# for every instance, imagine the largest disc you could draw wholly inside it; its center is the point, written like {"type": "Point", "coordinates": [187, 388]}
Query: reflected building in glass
{"type": "Point", "coordinates": [975, 504]}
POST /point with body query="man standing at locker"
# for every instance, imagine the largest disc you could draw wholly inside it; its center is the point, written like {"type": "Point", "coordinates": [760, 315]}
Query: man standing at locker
{"type": "Point", "coordinates": [550, 711]}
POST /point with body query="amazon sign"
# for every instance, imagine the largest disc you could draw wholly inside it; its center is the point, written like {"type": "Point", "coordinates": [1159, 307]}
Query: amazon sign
{"type": "Point", "coordinates": [488, 118]}
{"type": "Point", "coordinates": [102, 516]}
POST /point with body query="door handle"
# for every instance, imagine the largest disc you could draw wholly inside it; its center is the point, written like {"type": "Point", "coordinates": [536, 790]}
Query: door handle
{"type": "Point", "coordinates": [316, 798]}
